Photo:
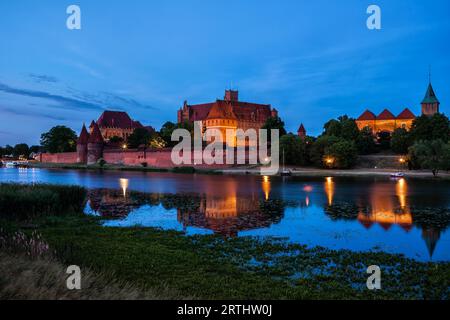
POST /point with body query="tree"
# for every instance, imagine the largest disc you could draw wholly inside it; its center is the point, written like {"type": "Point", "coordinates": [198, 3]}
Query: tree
{"type": "Point", "coordinates": [384, 140]}
{"type": "Point", "coordinates": [274, 123]}
{"type": "Point", "coordinates": [59, 139]}
{"type": "Point", "coordinates": [157, 142]}
{"type": "Point", "coordinates": [366, 142]}
{"type": "Point", "coordinates": [116, 140]}
{"type": "Point", "coordinates": [7, 150]}
{"type": "Point", "coordinates": [295, 150]}
{"type": "Point", "coordinates": [431, 128]}
{"type": "Point", "coordinates": [21, 149]}
{"type": "Point", "coordinates": [400, 141]}
{"type": "Point", "coordinates": [433, 155]}
{"type": "Point", "coordinates": [167, 129]}
{"type": "Point", "coordinates": [344, 127]}
{"type": "Point", "coordinates": [318, 148]}
{"type": "Point", "coordinates": [340, 155]}
{"type": "Point", "coordinates": [140, 136]}
{"type": "Point", "coordinates": [35, 149]}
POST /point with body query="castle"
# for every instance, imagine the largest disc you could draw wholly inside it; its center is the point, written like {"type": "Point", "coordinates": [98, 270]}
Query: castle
{"type": "Point", "coordinates": [115, 124]}
{"type": "Point", "coordinates": [227, 114]}
{"type": "Point", "coordinates": [386, 121]}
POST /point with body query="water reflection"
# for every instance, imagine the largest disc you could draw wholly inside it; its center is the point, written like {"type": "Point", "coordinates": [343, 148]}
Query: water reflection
{"type": "Point", "coordinates": [124, 183]}
{"type": "Point", "coordinates": [404, 216]}
{"type": "Point", "coordinates": [329, 190]}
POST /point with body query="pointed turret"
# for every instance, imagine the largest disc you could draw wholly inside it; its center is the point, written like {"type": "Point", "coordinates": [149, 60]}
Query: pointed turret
{"type": "Point", "coordinates": [430, 103]}
{"type": "Point", "coordinates": [84, 136]}
{"type": "Point", "coordinates": [82, 145]}
{"type": "Point", "coordinates": [95, 144]}
{"type": "Point", "coordinates": [301, 131]}
{"type": "Point", "coordinates": [96, 136]}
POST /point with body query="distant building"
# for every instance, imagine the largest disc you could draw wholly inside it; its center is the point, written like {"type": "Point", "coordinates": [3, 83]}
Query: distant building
{"type": "Point", "coordinates": [301, 132]}
{"type": "Point", "coordinates": [115, 124]}
{"type": "Point", "coordinates": [229, 113]}
{"type": "Point", "coordinates": [386, 121]}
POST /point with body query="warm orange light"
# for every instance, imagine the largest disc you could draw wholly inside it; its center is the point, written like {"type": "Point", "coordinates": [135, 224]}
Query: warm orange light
{"type": "Point", "coordinates": [402, 160]}
{"type": "Point", "coordinates": [266, 186]}
{"type": "Point", "coordinates": [329, 190]}
{"type": "Point", "coordinates": [124, 146]}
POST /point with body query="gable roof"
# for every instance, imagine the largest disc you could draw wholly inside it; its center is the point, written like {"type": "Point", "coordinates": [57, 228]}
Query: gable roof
{"type": "Point", "coordinates": [367, 115]}
{"type": "Point", "coordinates": [406, 115]}
{"type": "Point", "coordinates": [221, 110]}
{"type": "Point", "coordinates": [117, 119]}
{"type": "Point", "coordinates": [430, 96]}
{"type": "Point", "coordinates": [386, 115]}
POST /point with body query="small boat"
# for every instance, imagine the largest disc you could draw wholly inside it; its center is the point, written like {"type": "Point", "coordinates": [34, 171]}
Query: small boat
{"type": "Point", "coordinates": [397, 175]}
{"type": "Point", "coordinates": [285, 172]}
{"type": "Point", "coordinates": [11, 164]}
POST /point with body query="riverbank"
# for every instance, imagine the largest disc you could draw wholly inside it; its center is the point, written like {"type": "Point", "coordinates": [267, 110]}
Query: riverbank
{"type": "Point", "coordinates": [314, 172]}
{"type": "Point", "coordinates": [252, 170]}
{"type": "Point", "coordinates": [110, 167]}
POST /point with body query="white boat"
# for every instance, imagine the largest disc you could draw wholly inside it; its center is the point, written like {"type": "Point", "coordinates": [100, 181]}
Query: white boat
{"type": "Point", "coordinates": [11, 164]}
{"type": "Point", "coordinates": [285, 172]}
{"type": "Point", "coordinates": [397, 175]}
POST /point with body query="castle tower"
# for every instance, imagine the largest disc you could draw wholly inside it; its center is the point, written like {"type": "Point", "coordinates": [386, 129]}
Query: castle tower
{"type": "Point", "coordinates": [274, 113]}
{"type": "Point", "coordinates": [221, 117]}
{"type": "Point", "coordinates": [82, 143]}
{"type": "Point", "coordinates": [430, 104]}
{"type": "Point", "coordinates": [95, 145]}
{"type": "Point", "coordinates": [301, 132]}
{"type": "Point", "coordinates": [231, 95]}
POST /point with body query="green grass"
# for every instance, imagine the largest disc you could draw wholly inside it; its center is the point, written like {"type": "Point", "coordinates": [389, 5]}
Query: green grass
{"type": "Point", "coordinates": [211, 267]}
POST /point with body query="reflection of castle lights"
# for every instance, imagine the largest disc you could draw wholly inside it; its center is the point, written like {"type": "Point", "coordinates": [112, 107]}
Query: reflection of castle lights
{"type": "Point", "coordinates": [307, 201]}
{"type": "Point", "coordinates": [329, 190]}
{"type": "Point", "coordinates": [124, 183]}
{"type": "Point", "coordinates": [402, 190]}
{"type": "Point", "coordinates": [266, 186]}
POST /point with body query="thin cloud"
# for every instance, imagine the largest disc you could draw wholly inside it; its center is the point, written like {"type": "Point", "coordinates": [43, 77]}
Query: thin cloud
{"type": "Point", "coordinates": [29, 113]}
{"type": "Point", "coordinates": [40, 78]}
{"type": "Point", "coordinates": [68, 102]}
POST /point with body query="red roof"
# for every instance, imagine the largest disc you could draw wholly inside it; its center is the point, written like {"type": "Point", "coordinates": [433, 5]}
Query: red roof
{"type": "Point", "coordinates": [199, 112]}
{"type": "Point", "coordinates": [302, 129]}
{"type": "Point", "coordinates": [241, 110]}
{"type": "Point", "coordinates": [367, 115]}
{"type": "Point", "coordinates": [96, 136]}
{"type": "Point", "coordinates": [84, 136]}
{"type": "Point", "coordinates": [117, 119]}
{"type": "Point", "coordinates": [221, 110]}
{"type": "Point", "coordinates": [406, 115]}
{"type": "Point", "coordinates": [386, 115]}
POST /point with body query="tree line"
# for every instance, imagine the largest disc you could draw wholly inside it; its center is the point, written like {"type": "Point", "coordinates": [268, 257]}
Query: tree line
{"type": "Point", "coordinates": [425, 146]}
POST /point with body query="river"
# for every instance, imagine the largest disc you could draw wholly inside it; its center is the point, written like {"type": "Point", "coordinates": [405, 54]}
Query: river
{"type": "Point", "coordinates": [407, 216]}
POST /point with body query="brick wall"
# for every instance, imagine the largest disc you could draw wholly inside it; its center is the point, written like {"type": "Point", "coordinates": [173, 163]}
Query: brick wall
{"type": "Point", "coordinates": [67, 157]}
{"type": "Point", "coordinates": [153, 158]}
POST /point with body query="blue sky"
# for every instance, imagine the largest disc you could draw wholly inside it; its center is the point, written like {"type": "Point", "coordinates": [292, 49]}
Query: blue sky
{"type": "Point", "coordinates": [312, 60]}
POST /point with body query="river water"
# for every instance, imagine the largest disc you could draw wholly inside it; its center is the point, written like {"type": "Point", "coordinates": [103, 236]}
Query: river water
{"type": "Point", "coordinates": [407, 216]}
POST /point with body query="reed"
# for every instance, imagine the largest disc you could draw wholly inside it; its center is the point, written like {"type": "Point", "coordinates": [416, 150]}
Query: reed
{"type": "Point", "coordinates": [24, 201]}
